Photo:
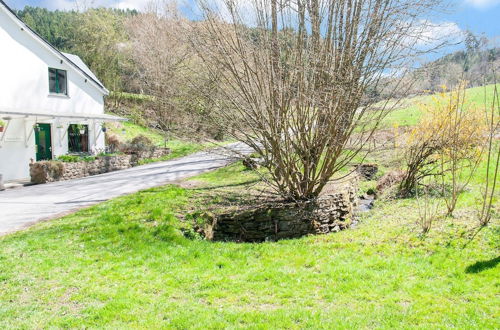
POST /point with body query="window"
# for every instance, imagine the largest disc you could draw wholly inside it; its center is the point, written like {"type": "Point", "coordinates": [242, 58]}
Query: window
{"type": "Point", "coordinates": [78, 138]}
{"type": "Point", "coordinates": [57, 81]}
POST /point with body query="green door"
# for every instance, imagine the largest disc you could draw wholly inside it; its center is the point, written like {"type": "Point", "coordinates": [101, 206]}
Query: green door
{"type": "Point", "coordinates": [43, 142]}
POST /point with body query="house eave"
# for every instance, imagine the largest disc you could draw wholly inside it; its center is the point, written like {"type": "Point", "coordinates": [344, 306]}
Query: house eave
{"type": "Point", "coordinates": [8, 114]}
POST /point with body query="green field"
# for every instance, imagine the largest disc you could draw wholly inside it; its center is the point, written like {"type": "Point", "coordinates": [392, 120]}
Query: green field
{"type": "Point", "coordinates": [410, 112]}
{"type": "Point", "coordinates": [137, 262]}
{"type": "Point", "coordinates": [126, 263]}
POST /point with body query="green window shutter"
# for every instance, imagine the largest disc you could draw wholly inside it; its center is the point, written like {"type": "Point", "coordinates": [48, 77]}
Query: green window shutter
{"type": "Point", "coordinates": [57, 82]}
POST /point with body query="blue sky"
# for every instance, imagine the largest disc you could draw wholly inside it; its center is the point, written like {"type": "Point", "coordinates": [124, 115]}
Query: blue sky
{"type": "Point", "coordinates": [479, 16]}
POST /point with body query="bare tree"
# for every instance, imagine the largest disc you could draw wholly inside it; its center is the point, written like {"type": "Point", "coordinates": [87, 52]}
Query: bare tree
{"type": "Point", "coordinates": [428, 206]}
{"type": "Point", "coordinates": [462, 144]}
{"type": "Point", "coordinates": [292, 76]}
{"type": "Point", "coordinates": [160, 49]}
{"type": "Point", "coordinates": [490, 193]}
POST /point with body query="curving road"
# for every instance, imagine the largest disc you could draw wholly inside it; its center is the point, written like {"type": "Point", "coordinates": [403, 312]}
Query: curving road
{"type": "Point", "coordinates": [22, 207]}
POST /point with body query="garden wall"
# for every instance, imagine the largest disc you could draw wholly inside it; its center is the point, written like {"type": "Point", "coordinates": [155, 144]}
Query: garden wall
{"type": "Point", "coordinates": [50, 171]}
{"type": "Point", "coordinates": [333, 211]}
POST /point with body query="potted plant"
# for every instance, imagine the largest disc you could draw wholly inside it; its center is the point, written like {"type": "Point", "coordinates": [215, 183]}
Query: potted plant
{"type": "Point", "coordinates": [81, 128]}
{"type": "Point", "coordinates": [2, 125]}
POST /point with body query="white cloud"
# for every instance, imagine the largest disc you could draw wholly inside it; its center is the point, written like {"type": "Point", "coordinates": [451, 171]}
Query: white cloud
{"type": "Point", "coordinates": [445, 31]}
{"type": "Point", "coordinates": [482, 3]}
{"type": "Point", "coordinates": [427, 34]}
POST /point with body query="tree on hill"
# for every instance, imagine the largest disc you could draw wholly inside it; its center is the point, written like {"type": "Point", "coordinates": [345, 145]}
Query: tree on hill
{"type": "Point", "coordinates": [98, 41]}
{"type": "Point", "coordinates": [95, 35]}
{"type": "Point", "coordinates": [57, 27]}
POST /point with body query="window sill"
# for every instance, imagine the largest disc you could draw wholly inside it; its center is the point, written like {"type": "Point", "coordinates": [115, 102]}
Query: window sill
{"type": "Point", "coordinates": [64, 96]}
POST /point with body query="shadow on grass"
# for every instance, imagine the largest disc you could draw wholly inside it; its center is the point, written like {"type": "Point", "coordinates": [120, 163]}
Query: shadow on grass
{"type": "Point", "coordinates": [479, 266]}
{"type": "Point", "coordinates": [155, 190]}
{"type": "Point", "coordinates": [227, 185]}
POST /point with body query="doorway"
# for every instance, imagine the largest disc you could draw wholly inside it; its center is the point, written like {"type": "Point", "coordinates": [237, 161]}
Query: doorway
{"type": "Point", "coordinates": [43, 142]}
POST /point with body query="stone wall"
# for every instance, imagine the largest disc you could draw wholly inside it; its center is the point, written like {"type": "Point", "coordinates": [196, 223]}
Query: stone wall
{"type": "Point", "coordinates": [100, 165]}
{"type": "Point", "coordinates": [331, 212]}
{"type": "Point", "coordinates": [367, 171]}
{"type": "Point", "coordinates": [50, 171]}
{"type": "Point", "coordinates": [149, 154]}
{"type": "Point", "coordinates": [46, 171]}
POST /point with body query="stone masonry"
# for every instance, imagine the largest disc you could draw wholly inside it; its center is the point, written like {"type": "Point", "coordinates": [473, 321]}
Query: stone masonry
{"type": "Point", "coordinates": [331, 212]}
{"type": "Point", "coordinates": [50, 171]}
{"type": "Point", "coordinates": [367, 171]}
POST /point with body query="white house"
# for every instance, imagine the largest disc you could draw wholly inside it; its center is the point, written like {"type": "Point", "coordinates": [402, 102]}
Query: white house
{"type": "Point", "coordinates": [50, 102]}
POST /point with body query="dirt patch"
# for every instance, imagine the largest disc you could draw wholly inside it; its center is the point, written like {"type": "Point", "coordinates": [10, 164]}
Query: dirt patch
{"type": "Point", "coordinates": [390, 179]}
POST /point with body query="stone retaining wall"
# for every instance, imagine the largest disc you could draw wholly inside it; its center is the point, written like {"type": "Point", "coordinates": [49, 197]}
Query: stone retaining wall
{"type": "Point", "coordinates": [331, 212]}
{"type": "Point", "coordinates": [149, 154]}
{"type": "Point", "coordinates": [367, 171]}
{"type": "Point", "coordinates": [50, 171]}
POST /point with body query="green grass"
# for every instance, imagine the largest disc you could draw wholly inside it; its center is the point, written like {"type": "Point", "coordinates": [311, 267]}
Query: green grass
{"type": "Point", "coordinates": [127, 131]}
{"type": "Point", "coordinates": [409, 114]}
{"type": "Point", "coordinates": [125, 264]}
{"type": "Point", "coordinates": [230, 175]}
{"type": "Point", "coordinates": [75, 158]}
{"type": "Point", "coordinates": [179, 149]}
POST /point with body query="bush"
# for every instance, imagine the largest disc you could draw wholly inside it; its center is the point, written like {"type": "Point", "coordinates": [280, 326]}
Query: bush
{"type": "Point", "coordinates": [447, 138]}
{"type": "Point", "coordinates": [113, 142]}
{"type": "Point", "coordinates": [141, 140]}
{"type": "Point", "coordinates": [44, 171]}
{"type": "Point", "coordinates": [54, 168]}
{"type": "Point", "coordinates": [138, 144]}
{"type": "Point", "coordinates": [69, 158]}
{"type": "Point", "coordinates": [108, 154]}
{"type": "Point", "coordinates": [75, 158]}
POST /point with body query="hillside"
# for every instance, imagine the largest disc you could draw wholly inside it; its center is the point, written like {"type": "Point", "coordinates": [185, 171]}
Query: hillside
{"type": "Point", "coordinates": [476, 67]}
{"type": "Point", "coordinates": [180, 147]}
{"type": "Point", "coordinates": [408, 112]}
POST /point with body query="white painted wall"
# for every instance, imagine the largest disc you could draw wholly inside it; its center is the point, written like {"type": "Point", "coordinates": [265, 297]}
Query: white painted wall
{"type": "Point", "coordinates": [24, 86]}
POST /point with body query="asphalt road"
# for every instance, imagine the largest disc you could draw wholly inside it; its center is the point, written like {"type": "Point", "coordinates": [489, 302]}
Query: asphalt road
{"type": "Point", "coordinates": [21, 207]}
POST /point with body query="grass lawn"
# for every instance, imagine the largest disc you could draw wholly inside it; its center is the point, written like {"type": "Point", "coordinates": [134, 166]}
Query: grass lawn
{"type": "Point", "coordinates": [409, 114]}
{"type": "Point", "coordinates": [136, 262]}
{"type": "Point", "coordinates": [179, 147]}
{"type": "Point", "coordinates": [126, 264]}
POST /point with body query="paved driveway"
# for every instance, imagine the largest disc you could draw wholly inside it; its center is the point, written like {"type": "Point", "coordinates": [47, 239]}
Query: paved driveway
{"type": "Point", "coordinates": [24, 206]}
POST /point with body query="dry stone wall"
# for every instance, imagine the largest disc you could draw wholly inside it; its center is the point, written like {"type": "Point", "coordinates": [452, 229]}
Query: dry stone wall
{"type": "Point", "coordinates": [367, 171]}
{"type": "Point", "coordinates": [331, 212]}
{"type": "Point", "coordinates": [50, 171]}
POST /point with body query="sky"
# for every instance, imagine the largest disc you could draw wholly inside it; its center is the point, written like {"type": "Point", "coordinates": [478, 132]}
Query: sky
{"type": "Point", "coordinates": [478, 16]}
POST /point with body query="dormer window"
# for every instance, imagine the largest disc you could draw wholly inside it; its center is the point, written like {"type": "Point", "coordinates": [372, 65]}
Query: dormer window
{"type": "Point", "coordinates": [57, 81]}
